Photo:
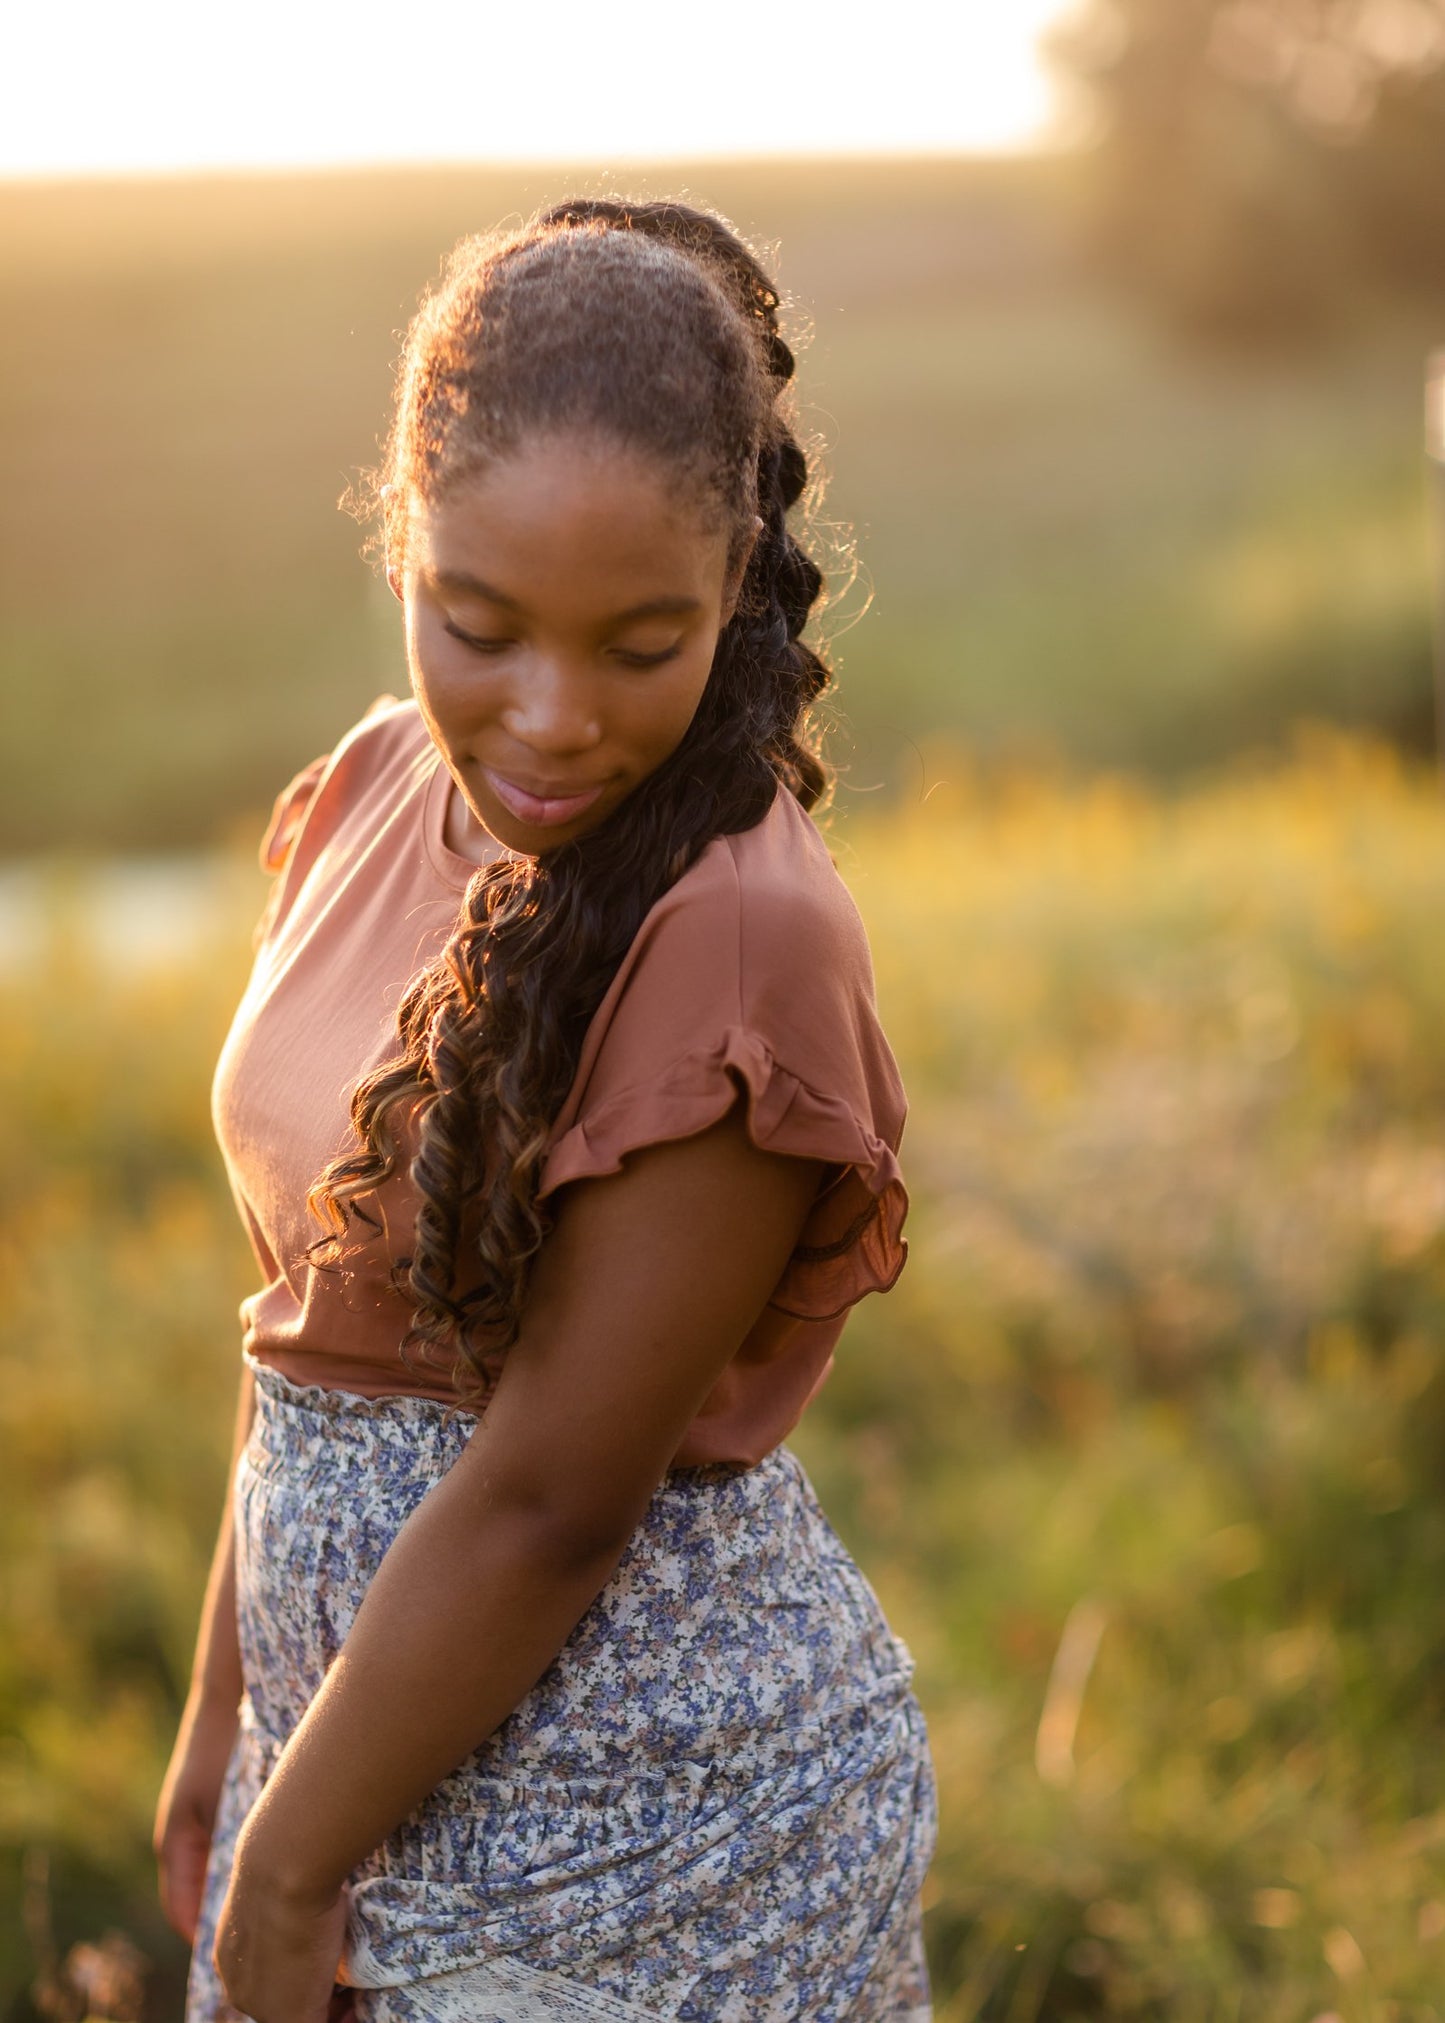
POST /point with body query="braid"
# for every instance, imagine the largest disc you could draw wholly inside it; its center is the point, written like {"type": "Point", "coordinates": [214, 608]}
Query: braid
{"type": "Point", "coordinates": [584, 317]}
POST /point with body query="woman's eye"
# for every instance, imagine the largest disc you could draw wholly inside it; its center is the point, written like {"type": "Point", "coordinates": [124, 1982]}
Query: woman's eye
{"type": "Point", "coordinates": [631, 658]}
{"type": "Point", "coordinates": [477, 645]}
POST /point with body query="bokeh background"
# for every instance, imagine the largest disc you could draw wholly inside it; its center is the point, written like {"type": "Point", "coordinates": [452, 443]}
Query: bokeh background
{"type": "Point", "coordinates": [1115, 353]}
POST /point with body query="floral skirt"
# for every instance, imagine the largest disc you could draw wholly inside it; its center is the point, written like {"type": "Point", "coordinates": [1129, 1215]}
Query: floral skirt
{"type": "Point", "coordinates": [715, 1806]}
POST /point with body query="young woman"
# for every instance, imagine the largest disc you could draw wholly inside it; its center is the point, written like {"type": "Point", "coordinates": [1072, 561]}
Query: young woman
{"type": "Point", "coordinates": [558, 1697]}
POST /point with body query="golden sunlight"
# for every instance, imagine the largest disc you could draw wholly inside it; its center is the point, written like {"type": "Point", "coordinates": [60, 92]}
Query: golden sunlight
{"type": "Point", "coordinates": [159, 85]}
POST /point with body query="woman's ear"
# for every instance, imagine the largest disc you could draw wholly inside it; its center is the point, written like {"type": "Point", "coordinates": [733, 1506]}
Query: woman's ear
{"type": "Point", "coordinates": [394, 582]}
{"type": "Point", "coordinates": [733, 587]}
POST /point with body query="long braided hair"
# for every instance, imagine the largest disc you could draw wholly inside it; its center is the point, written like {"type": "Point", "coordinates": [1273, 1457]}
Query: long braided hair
{"type": "Point", "coordinates": [653, 325]}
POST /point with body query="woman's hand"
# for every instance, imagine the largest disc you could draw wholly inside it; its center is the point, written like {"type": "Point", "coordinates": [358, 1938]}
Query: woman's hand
{"type": "Point", "coordinates": [278, 1951]}
{"type": "Point", "coordinates": [186, 1810]}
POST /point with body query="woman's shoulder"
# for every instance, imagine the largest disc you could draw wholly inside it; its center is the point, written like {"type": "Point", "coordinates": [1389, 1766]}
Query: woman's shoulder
{"type": "Point", "coordinates": [756, 954]}
{"type": "Point", "coordinates": [390, 732]}
{"type": "Point", "coordinates": [752, 973]}
{"type": "Point", "coordinates": [769, 904]}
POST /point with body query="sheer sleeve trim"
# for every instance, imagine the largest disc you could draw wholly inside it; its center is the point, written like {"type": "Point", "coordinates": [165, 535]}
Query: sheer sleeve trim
{"type": "Point", "coordinates": [292, 805]}
{"type": "Point", "coordinates": [852, 1242]}
{"type": "Point", "coordinates": [308, 807]}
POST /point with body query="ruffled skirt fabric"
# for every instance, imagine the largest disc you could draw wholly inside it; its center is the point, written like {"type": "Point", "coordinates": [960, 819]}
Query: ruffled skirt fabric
{"type": "Point", "coordinates": [716, 1806]}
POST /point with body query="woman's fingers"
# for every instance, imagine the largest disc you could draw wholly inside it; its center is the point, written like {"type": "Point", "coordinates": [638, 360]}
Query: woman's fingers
{"type": "Point", "coordinates": [182, 1863]}
{"type": "Point", "coordinates": [186, 1811]}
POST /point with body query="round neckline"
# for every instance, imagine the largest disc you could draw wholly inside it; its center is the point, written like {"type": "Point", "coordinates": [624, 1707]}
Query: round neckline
{"type": "Point", "coordinates": [449, 864]}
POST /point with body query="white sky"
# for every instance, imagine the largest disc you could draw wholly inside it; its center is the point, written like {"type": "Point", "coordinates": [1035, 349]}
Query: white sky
{"type": "Point", "coordinates": [105, 86]}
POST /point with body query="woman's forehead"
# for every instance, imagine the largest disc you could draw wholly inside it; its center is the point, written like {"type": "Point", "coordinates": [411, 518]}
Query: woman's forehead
{"type": "Point", "coordinates": [556, 529]}
{"type": "Point", "coordinates": [559, 485]}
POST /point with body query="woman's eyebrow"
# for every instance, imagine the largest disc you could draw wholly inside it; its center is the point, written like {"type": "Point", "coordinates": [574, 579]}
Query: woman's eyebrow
{"type": "Point", "coordinates": [660, 607]}
{"type": "Point", "coordinates": [461, 583]}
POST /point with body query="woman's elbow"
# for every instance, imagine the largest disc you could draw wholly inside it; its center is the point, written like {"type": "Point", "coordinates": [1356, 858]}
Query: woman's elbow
{"type": "Point", "coordinates": [564, 1526]}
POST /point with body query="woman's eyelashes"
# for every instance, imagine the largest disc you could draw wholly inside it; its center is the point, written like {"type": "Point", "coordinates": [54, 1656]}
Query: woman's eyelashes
{"type": "Point", "coordinates": [477, 645]}
{"type": "Point", "coordinates": [630, 656]}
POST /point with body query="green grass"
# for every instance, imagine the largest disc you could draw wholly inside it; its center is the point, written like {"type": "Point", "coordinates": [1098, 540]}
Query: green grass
{"type": "Point", "coordinates": [1164, 1366]}
{"type": "Point", "coordinates": [1168, 1352]}
{"type": "Point", "coordinates": [1078, 540]}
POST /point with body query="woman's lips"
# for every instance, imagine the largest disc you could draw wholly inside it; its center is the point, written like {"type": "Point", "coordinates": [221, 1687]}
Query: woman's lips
{"type": "Point", "coordinates": [542, 811]}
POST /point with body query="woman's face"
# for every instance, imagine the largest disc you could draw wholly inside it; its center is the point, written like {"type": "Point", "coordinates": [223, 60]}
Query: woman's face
{"type": "Point", "coordinates": [562, 612]}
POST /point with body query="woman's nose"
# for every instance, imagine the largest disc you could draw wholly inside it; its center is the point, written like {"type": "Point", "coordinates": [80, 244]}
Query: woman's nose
{"type": "Point", "coordinates": [553, 708]}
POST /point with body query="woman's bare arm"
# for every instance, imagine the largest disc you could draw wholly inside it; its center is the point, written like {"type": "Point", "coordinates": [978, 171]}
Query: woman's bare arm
{"type": "Point", "coordinates": [190, 1793]}
{"type": "Point", "coordinates": [647, 1285]}
{"type": "Point", "coordinates": [216, 1671]}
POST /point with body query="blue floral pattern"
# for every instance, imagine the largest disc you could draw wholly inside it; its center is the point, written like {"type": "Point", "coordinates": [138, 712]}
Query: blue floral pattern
{"type": "Point", "coordinates": [716, 1806]}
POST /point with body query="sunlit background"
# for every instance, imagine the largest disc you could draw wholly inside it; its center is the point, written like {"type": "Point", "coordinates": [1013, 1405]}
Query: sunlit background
{"type": "Point", "coordinates": [168, 86]}
{"type": "Point", "coordinates": [1113, 322]}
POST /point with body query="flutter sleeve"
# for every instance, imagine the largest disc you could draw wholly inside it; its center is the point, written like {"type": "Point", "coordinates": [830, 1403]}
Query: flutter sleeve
{"type": "Point", "coordinates": [304, 813]}
{"type": "Point", "coordinates": [292, 805]}
{"type": "Point", "coordinates": [752, 976]}
{"type": "Point", "coordinates": [288, 817]}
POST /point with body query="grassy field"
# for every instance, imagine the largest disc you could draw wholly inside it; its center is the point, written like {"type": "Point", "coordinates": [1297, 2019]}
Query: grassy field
{"type": "Point", "coordinates": [1078, 542]}
{"type": "Point", "coordinates": [1142, 1453]}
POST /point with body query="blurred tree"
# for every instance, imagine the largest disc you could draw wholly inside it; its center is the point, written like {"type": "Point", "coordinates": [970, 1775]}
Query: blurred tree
{"type": "Point", "coordinates": [1260, 160]}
